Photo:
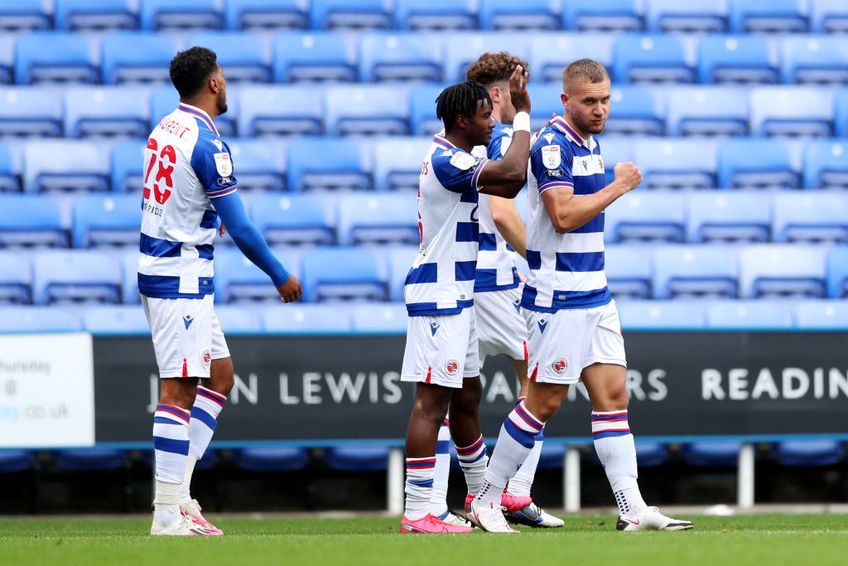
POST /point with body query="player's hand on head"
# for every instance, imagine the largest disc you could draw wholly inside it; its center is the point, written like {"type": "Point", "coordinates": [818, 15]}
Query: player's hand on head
{"type": "Point", "coordinates": [628, 175]}
{"type": "Point", "coordinates": [518, 89]}
{"type": "Point", "coordinates": [222, 230]}
{"type": "Point", "coordinates": [291, 290]}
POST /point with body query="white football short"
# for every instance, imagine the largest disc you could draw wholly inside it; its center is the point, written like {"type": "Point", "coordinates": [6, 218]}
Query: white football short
{"type": "Point", "coordinates": [501, 327]}
{"type": "Point", "coordinates": [563, 343]}
{"type": "Point", "coordinates": [187, 335]}
{"type": "Point", "coordinates": [441, 349]}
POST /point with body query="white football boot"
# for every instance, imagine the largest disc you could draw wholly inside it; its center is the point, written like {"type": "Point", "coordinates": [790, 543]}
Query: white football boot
{"type": "Point", "coordinates": [535, 516]}
{"type": "Point", "coordinates": [182, 527]}
{"type": "Point", "coordinates": [650, 519]}
{"type": "Point", "coordinates": [489, 518]}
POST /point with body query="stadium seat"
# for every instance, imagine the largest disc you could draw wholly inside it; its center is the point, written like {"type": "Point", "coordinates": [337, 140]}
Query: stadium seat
{"type": "Point", "coordinates": [12, 461]}
{"type": "Point", "coordinates": [8, 175]}
{"type": "Point", "coordinates": [767, 16]}
{"type": "Point", "coordinates": [390, 318]}
{"type": "Point", "coordinates": [24, 15]}
{"type": "Point", "coordinates": [30, 111]}
{"type": "Point", "coordinates": [344, 15]}
{"type": "Point", "coordinates": [314, 57]}
{"type": "Point", "coordinates": [357, 458]}
{"type": "Point", "coordinates": [392, 57]}
{"type": "Point", "coordinates": [238, 280]}
{"type": "Point", "coordinates": [54, 57]}
{"type": "Point", "coordinates": [528, 15]}
{"type": "Point", "coordinates": [810, 452]}
{"type": "Point", "coordinates": [780, 270]}
{"type": "Point", "coordinates": [280, 111]}
{"type": "Point", "coordinates": [751, 315]}
{"type": "Point", "coordinates": [422, 110]}
{"type": "Point", "coordinates": [615, 150]}
{"type": "Point", "coordinates": [756, 164]}
{"type": "Point", "coordinates": [242, 56]}
{"type": "Point", "coordinates": [306, 319]}
{"type": "Point", "coordinates": [676, 163]}
{"type": "Point", "coordinates": [821, 315]}
{"type": "Point", "coordinates": [837, 272]}
{"type": "Point", "coordinates": [326, 164]}
{"type": "Point", "coordinates": [695, 16]}
{"type": "Point", "coordinates": [825, 164]}
{"type": "Point", "coordinates": [136, 57]}
{"type": "Point", "coordinates": [95, 15]}
{"type": "Point", "coordinates": [262, 15]}
{"type": "Point", "coordinates": [695, 272]}
{"type": "Point", "coordinates": [650, 59]}
{"type": "Point", "coordinates": [123, 320]}
{"type": "Point", "coordinates": [828, 16]}
{"type": "Point", "coordinates": [736, 59]}
{"type": "Point", "coordinates": [258, 164]}
{"type": "Point", "coordinates": [60, 165]}
{"type": "Point", "coordinates": [399, 261]}
{"type": "Point", "coordinates": [366, 110]}
{"type": "Point", "coordinates": [461, 49]}
{"type": "Point", "coordinates": [75, 277]}
{"type": "Point", "coordinates": [651, 454]}
{"type": "Point", "coordinates": [814, 59]}
{"type": "Point", "coordinates": [656, 216]}
{"type": "Point", "coordinates": [551, 53]}
{"type": "Point", "coordinates": [791, 111]}
{"type": "Point", "coordinates": [38, 319]}
{"type": "Point", "coordinates": [170, 15]}
{"type": "Point", "coordinates": [840, 114]}
{"type": "Point", "coordinates": [272, 459]}
{"type": "Point", "coordinates": [661, 315]}
{"type": "Point", "coordinates": [628, 270]}
{"type": "Point", "coordinates": [384, 219]}
{"type": "Point", "coordinates": [397, 162]}
{"type": "Point", "coordinates": [15, 278]}
{"type": "Point", "coordinates": [723, 217]}
{"type": "Point", "coordinates": [7, 58]}
{"type": "Point", "coordinates": [546, 102]}
{"type": "Point", "coordinates": [435, 15]}
{"type": "Point", "coordinates": [712, 454]}
{"type": "Point", "coordinates": [106, 221]}
{"type": "Point", "coordinates": [635, 112]}
{"type": "Point", "coordinates": [706, 111]}
{"type": "Point", "coordinates": [237, 320]}
{"type": "Point", "coordinates": [127, 167]}
{"type": "Point", "coordinates": [107, 112]}
{"type": "Point", "coordinates": [608, 16]}
{"type": "Point", "coordinates": [810, 217]}
{"type": "Point", "coordinates": [294, 219]}
{"type": "Point", "coordinates": [129, 278]}
{"type": "Point", "coordinates": [343, 274]}
{"type": "Point", "coordinates": [31, 221]}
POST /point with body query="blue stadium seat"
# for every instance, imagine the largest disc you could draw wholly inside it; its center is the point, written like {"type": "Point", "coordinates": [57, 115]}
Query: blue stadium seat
{"type": "Point", "coordinates": [791, 111]}
{"type": "Point", "coordinates": [314, 57]}
{"type": "Point", "coordinates": [551, 53]}
{"type": "Point", "coordinates": [399, 261]}
{"type": "Point", "coordinates": [31, 220]}
{"type": "Point", "coordinates": [712, 454]}
{"type": "Point", "coordinates": [38, 319]}
{"type": "Point", "coordinates": [397, 162]}
{"type": "Point", "coordinates": [74, 277]}
{"type": "Point", "coordinates": [54, 57]}
{"type": "Point", "coordinates": [295, 219]}
{"type": "Point", "coordinates": [462, 48]}
{"type": "Point", "coordinates": [326, 164]}
{"type": "Point", "coordinates": [115, 320]}
{"type": "Point", "coordinates": [106, 221]}
{"type": "Point", "coordinates": [107, 112]}
{"type": "Point", "coordinates": [695, 272]}
{"type": "Point", "coordinates": [837, 272]}
{"type": "Point", "coordinates": [136, 57]}
{"type": "Point", "coordinates": [280, 111]}
{"type": "Point", "coordinates": [306, 319]}
{"type": "Point", "coordinates": [24, 15]}
{"type": "Point", "coordinates": [391, 57]}
{"type": "Point", "coordinates": [719, 217]}
{"type": "Point", "coordinates": [95, 15]}
{"type": "Point", "coordinates": [7, 58]}
{"type": "Point", "coordinates": [65, 165]}
{"type": "Point", "coordinates": [384, 219]}
{"type": "Point", "coordinates": [695, 16]}
{"type": "Point", "coordinates": [656, 216]}
{"type": "Point", "coordinates": [237, 320]}
{"type": "Point", "coordinates": [272, 459]}
{"type": "Point", "coordinates": [810, 217]}
{"type": "Point", "coordinates": [258, 164]}
{"type": "Point", "coordinates": [825, 164]}
{"type": "Point", "coordinates": [341, 15]}
{"type": "Point", "coordinates": [756, 164]}
{"type": "Point", "coordinates": [238, 280]}
{"type": "Point", "coordinates": [8, 175]}
{"type": "Point", "coordinates": [261, 15]}
{"type": "Point", "coordinates": [781, 270]}
{"type": "Point", "coordinates": [840, 114]}
{"type": "Point", "coordinates": [810, 452]}
{"type": "Point", "coordinates": [127, 167]}
{"type": "Point", "coordinates": [814, 59]}
{"type": "Point", "coordinates": [663, 315]}
{"type": "Point", "coordinates": [167, 15]}
{"type": "Point", "coordinates": [676, 163]}
{"type": "Point", "coordinates": [821, 315]}
{"type": "Point", "coordinates": [422, 110]}
{"type": "Point", "coordinates": [751, 315]}
{"type": "Point", "coordinates": [651, 454]}
{"type": "Point", "coordinates": [435, 15]}
{"type": "Point", "coordinates": [628, 270]}
{"type": "Point", "coordinates": [536, 15]}
{"type": "Point", "coordinates": [343, 274]}
{"type": "Point", "coordinates": [242, 56]}
{"type": "Point", "coordinates": [546, 101]}
{"type": "Point", "coordinates": [608, 16]}
{"type": "Point", "coordinates": [767, 16]}
{"type": "Point", "coordinates": [707, 111]}
{"type": "Point", "coordinates": [736, 59]}
{"type": "Point", "coordinates": [635, 112]}
{"type": "Point", "coordinates": [390, 318]}
{"type": "Point", "coordinates": [30, 111]}
{"type": "Point", "coordinates": [828, 16]}
{"type": "Point", "coordinates": [129, 278]}
{"type": "Point", "coordinates": [15, 278]}
{"type": "Point", "coordinates": [357, 458]}
{"type": "Point", "coordinates": [366, 110]}
{"type": "Point", "coordinates": [650, 59]}
{"type": "Point", "coordinates": [615, 150]}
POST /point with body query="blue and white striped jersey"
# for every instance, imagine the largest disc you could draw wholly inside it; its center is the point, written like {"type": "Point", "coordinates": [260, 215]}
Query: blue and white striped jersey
{"type": "Point", "coordinates": [185, 165]}
{"type": "Point", "coordinates": [441, 280]}
{"type": "Point", "coordinates": [566, 270]}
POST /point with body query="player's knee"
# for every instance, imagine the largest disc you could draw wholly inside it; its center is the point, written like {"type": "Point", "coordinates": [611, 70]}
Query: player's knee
{"type": "Point", "coordinates": [179, 392]}
{"type": "Point", "coordinates": [613, 400]}
{"type": "Point", "coordinates": [222, 377]}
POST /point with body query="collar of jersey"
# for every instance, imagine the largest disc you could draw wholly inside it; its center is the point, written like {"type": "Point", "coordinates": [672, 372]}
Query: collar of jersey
{"type": "Point", "coordinates": [560, 123]}
{"type": "Point", "coordinates": [198, 113]}
{"type": "Point", "coordinates": [443, 142]}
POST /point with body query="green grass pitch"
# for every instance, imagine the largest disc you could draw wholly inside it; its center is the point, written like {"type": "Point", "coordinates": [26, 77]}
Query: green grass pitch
{"type": "Point", "coordinates": [717, 541]}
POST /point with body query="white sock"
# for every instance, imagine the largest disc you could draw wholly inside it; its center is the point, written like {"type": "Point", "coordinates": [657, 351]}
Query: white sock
{"type": "Point", "coordinates": [439, 498]}
{"type": "Point", "coordinates": [522, 482]}
{"type": "Point", "coordinates": [166, 503]}
{"type": "Point", "coordinates": [419, 486]}
{"type": "Point", "coordinates": [473, 460]}
{"type": "Point", "coordinates": [617, 452]}
{"type": "Point", "coordinates": [204, 420]}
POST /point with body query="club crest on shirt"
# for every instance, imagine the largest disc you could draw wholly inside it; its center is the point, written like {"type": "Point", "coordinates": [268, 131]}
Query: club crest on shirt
{"type": "Point", "coordinates": [462, 160]}
{"type": "Point", "coordinates": [223, 164]}
{"type": "Point", "coordinates": [551, 158]}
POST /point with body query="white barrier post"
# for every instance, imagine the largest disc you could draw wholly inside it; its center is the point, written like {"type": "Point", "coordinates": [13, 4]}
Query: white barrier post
{"type": "Point", "coordinates": [571, 480]}
{"type": "Point", "coordinates": [394, 482]}
{"type": "Point", "coordinates": [745, 487]}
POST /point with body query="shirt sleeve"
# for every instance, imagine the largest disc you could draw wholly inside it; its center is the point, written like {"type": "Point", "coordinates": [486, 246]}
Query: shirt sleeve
{"type": "Point", "coordinates": [499, 145]}
{"type": "Point", "coordinates": [551, 165]}
{"type": "Point", "coordinates": [457, 170]}
{"type": "Point", "coordinates": [213, 165]}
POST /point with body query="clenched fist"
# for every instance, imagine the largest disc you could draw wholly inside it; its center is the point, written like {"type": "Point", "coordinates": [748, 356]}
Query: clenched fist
{"type": "Point", "coordinates": [627, 175]}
